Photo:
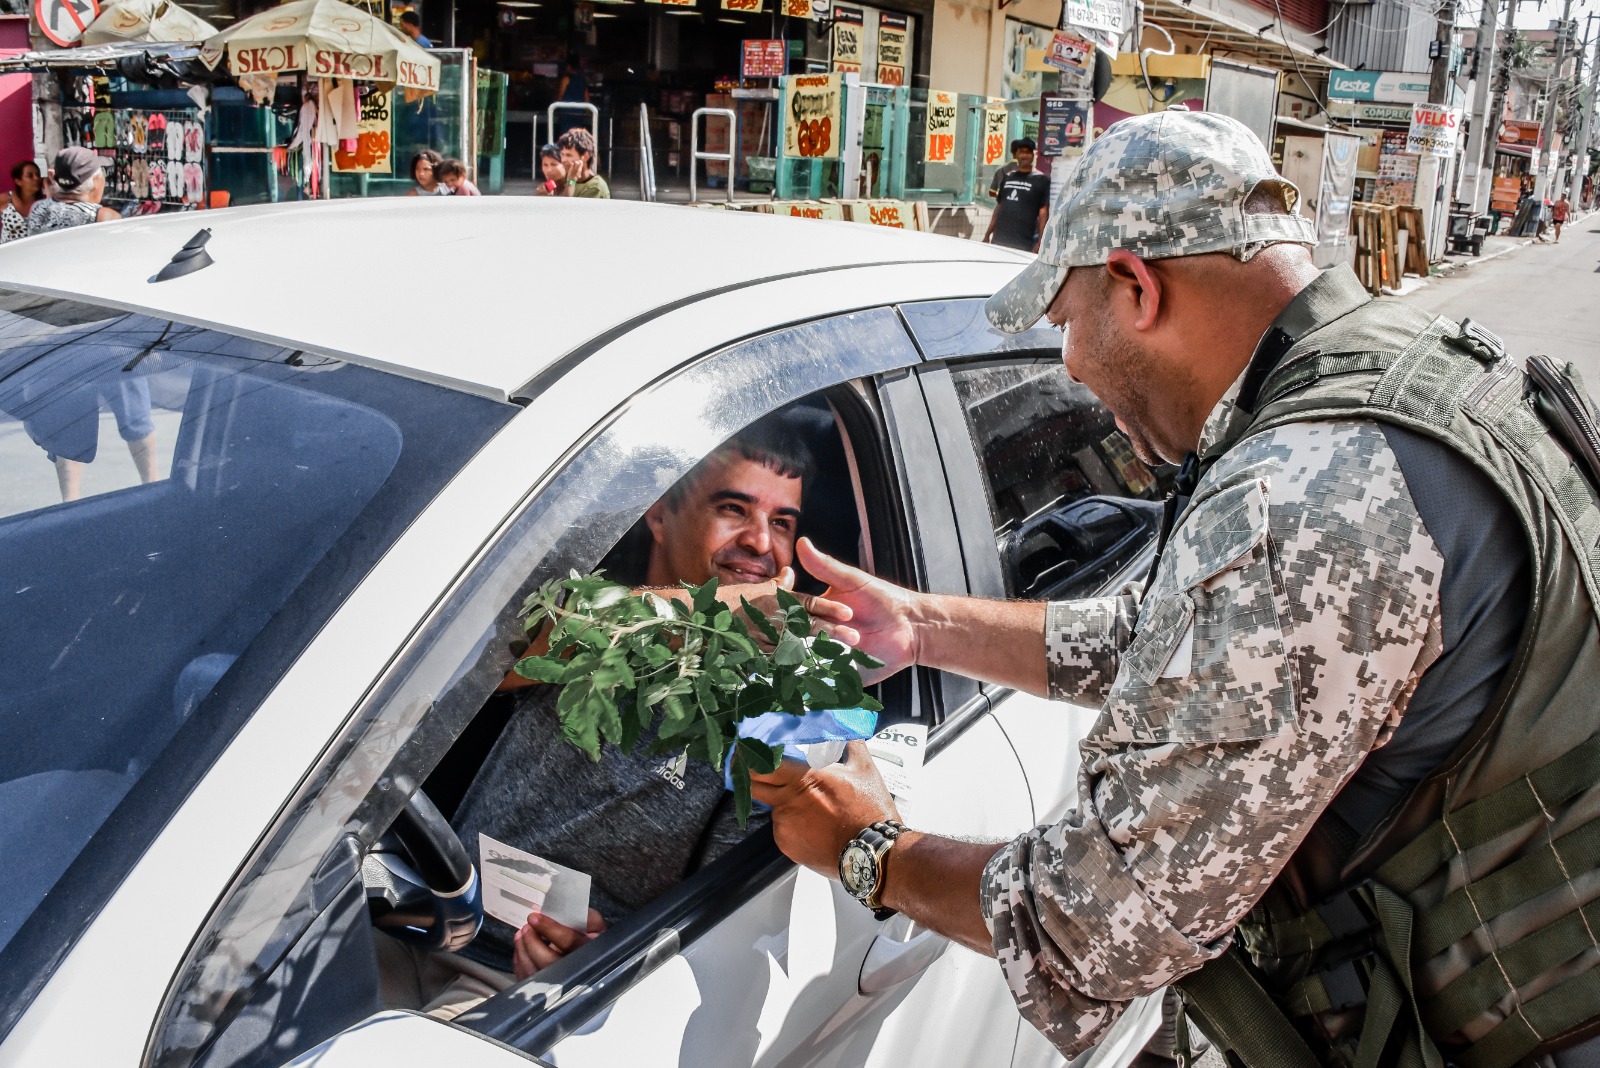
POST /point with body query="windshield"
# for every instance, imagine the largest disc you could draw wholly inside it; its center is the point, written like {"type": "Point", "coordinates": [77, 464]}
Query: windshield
{"type": "Point", "coordinates": [180, 510]}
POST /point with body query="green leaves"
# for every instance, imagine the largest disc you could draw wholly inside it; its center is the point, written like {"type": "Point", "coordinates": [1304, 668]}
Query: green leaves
{"type": "Point", "coordinates": [688, 669]}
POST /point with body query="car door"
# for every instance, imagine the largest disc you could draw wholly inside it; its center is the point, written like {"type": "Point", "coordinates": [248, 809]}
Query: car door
{"type": "Point", "coordinates": [1050, 503]}
{"type": "Point", "coordinates": [780, 967]}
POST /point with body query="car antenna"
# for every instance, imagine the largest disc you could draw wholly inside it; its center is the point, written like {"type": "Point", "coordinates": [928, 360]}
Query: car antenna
{"type": "Point", "coordinates": [188, 259]}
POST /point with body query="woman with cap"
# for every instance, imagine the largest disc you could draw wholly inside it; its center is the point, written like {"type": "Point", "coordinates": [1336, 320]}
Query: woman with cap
{"type": "Point", "coordinates": [27, 187]}
{"type": "Point", "coordinates": [78, 184]}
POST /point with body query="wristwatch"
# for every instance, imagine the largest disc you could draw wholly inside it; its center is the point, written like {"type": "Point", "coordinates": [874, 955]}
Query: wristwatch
{"type": "Point", "coordinates": [861, 865]}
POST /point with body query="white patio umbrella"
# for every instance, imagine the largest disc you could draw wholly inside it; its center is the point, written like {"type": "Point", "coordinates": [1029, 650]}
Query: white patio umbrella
{"type": "Point", "coordinates": [146, 20]}
{"type": "Point", "coordinates": [325, 39]}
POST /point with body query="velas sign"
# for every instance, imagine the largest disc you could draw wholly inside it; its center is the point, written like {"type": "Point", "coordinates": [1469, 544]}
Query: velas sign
{"type": "Point", "coordinates": [1378, 85]}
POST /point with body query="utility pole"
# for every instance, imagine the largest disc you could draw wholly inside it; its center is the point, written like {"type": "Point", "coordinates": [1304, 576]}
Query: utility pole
{"type": "Point", "coordinates": [1444, 51]}
{"type": "Point", "coordinates": [1580, 161]}
{"type": "Point", "coordinates": [1547, 132]}
{"type": "Point", "coordinates": [1485, 124]}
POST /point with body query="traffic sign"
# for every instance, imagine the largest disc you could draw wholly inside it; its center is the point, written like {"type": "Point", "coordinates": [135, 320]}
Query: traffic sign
{"type": "Point", "coordinates": [63, 21]}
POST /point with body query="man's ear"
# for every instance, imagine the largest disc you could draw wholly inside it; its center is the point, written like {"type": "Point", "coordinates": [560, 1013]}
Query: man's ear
{"type": "Point", "coordinates": [656, 519]}
{"type": "Point", "coordinates": [1135, 289]}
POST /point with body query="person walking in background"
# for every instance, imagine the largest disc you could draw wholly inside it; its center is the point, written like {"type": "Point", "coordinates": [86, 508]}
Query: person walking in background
{"type": "Point", "coordinates": [424, 172]}
{"type": "Point", "coordinates": [453, 175]}
{"type": "Point", "coordinates": [577, 158]}
{"type": "Point", "coordinates": [1005, 170]}
{"type": "Point", "coordinates": [1559, 211]}
{"type": "Point", "coordinates": [552, 172]}
{"type": "Point", "coordinates": [1022, 204]}
{"type": "Point", "coordinates": [572, 89]}
{"type": "Point", "coordinates": [77, 183]}
{"type": "Point", "coordinates": [411, 26]}
{"type": "Point", "coordinates": [27, 187]}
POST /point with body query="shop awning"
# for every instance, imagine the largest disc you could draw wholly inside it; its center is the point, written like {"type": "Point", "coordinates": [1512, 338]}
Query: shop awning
{"type": "Point", "coordinates": [1243, 42]}
{"type": "Point", "coordinates": [146, 20]}
{"type": "Point", "coordinates": [326, 39]}
{"type": "Point", "coordinates": [94, 56]}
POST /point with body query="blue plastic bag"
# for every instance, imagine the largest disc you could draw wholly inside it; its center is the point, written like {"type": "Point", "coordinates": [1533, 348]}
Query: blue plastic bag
{"type": "Point", "coordinates": [790, 731]}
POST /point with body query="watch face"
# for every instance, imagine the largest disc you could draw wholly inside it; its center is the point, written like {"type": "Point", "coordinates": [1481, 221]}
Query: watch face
{"type": "Point", "coordinates": [858, 870]}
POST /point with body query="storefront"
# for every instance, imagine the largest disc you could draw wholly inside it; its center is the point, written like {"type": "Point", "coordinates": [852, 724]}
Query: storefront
{"type": "Point", "coordinates": [1515, 160]}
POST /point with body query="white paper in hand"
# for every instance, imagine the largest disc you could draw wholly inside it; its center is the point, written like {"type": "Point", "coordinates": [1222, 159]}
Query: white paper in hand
{"type": "Point", "coordinates": [898, 752]}
{"type": "Point", "coordinates": [515, 883]}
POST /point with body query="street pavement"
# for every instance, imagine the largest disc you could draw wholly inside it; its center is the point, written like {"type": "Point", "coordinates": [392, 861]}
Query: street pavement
{"type": "Point", "coordinates": [1539, 298]}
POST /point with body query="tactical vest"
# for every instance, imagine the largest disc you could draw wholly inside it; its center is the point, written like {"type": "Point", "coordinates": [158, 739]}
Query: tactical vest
{"type": "Point", "coordinates": [1465, 927]}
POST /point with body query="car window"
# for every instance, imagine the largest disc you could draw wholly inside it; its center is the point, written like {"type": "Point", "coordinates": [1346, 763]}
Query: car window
{"type": "Point", "coordinates": [579, 517]}
{"type": "Point", "coordinates": [1072, 505]}
{"type": "Point", "coordinates": [179, 511]}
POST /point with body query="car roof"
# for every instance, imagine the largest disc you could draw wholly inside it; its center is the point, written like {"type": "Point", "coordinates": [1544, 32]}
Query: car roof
{"type": "Point", "coordinates": [481, 293]}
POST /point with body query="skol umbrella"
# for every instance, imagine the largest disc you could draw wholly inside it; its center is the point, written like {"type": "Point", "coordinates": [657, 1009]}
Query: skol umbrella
{"type": "Point", "coordinates": [325, 39]}
{"type": "Point", "coordinates": [146, 20]}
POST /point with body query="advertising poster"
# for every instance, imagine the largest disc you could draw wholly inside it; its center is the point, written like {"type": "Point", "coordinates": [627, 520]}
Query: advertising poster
{"type": "Point", "coordinates": [1397, 171]}
{"type": "Point", "coordinates": [848, 26]}
{"type": "Point", "coordinates": [891, 49]}
{"type": "Point", "coordinates": [994, 136]}
{"type": "Point", "coordinates": [1063, 124]}
{"type": "Point", "coordinates": [1094, 14]}
{"type": "Point", "coordinates": [766, 59]}
{"type": "Point", "coordinates": [1433, 130]}
{"type": "Point", "coordinates": [372, 154]}
{"type": "Point", "coordinates": [811, 116]}
{"type": "Point", "coordinates": [941, 126]}
{"type": "Point", "coordinates": [1070, 53]}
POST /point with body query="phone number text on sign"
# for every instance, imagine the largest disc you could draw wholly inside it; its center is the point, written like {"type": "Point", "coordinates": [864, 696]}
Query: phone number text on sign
{"type": "Point", "coordinates": [812, 115]}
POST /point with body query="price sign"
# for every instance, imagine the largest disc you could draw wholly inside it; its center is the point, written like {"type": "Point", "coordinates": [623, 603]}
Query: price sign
{"type": "Point", "coordinates": [766, 59]}
{"type": "Point", "coordinates": [848, 26]}
{"type": "Point", "coordinates": [994, 136]}
{"type": "Point", "coordinates": [892, 35]}
{"type": "Point", "coordinates": [812, 112]}
{"type": "Point", "coordinates": [941, 126]}
{"type": "Point", "coordinates": [754, 7]}
{"type": "Point", "coordinates": [372, 153]}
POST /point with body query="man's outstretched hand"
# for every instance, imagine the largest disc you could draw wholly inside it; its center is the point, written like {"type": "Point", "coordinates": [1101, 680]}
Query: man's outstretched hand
{"type": "Point", "coordinates": [816, 811]}
{"type": "Point", "coordinates": [879, 611]}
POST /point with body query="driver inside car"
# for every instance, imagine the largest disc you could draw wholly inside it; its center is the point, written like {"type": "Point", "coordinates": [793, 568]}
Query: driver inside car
{"type": "Point", "coordinates": [637, 824]}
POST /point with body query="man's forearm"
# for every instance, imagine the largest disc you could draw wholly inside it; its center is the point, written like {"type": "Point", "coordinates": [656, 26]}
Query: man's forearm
{"type": "Point", "coordinates": [935, 881]}
{"type": "Point", "coordinates": [994, 641]}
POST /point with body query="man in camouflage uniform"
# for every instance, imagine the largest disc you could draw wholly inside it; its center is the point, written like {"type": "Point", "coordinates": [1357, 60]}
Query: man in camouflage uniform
{"type": "Point", "coordinates": [1286, 640]}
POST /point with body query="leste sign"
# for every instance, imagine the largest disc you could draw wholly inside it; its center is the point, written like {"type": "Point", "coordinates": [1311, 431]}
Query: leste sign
{"type": "Point", "coordinates": [941, 126]}
{"type": "Point", "coordinates": [811, 116]}
{"type": "Point", "coordinates": [1378, 85]}
{"type": "Point", "coordinates": [1433, 130]}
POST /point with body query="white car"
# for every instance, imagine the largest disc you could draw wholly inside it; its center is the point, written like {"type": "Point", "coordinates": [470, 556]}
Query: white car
{"type": "Point", "coordinates": [315, 464]}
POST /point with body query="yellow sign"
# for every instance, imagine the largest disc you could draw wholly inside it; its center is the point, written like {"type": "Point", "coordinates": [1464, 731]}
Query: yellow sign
{"type": "Point", "coordinates": [941, 126]}
{"type": "Point", "coordinates": [994, 135]}
{"type": "Point", "coordinates": [798, 9]}
{"type": "Point", "coordinates": [891, 49]}
{"type": "Point", "coordinates": [755, 6]}
{"type": "Point", "coordinates": [372, 153]}
{"type": "Point", "coordinates": [848, 26]}
{"type": "Point", "coordinates": [811, 115]}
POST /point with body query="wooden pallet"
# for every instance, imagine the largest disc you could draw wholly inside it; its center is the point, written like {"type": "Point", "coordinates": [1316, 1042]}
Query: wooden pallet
{"type": "Point", "coordinates": [1376, 228]}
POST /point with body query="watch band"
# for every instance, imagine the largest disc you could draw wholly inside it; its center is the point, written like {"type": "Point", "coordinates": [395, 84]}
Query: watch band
{"type": "Point", "coordinates": [879, 837]}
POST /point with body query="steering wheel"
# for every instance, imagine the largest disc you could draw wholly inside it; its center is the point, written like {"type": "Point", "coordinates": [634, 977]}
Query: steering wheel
{"type": "Point", "coordinates": [421, 884]}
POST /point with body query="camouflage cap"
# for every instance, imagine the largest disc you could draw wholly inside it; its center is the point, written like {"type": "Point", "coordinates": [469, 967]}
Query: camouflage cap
{"type": "Point", "coordinates": [1172, 183]}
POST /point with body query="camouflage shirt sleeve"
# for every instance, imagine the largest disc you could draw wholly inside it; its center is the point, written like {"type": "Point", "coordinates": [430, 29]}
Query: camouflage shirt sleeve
{"type": "Point", "coordinates": [1083, 645]}
{"type": "Point", "coordinates": [1280, 641]}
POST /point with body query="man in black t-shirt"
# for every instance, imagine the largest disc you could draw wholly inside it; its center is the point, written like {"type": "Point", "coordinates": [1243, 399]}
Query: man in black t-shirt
{"type": "Point", "coordinates": [1022, 204]}
{"type": "Point", "coordinates": [1007, 170]}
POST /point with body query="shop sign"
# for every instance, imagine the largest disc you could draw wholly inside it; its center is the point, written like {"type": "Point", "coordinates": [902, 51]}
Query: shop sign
{"type": "Point", "coordinates": [1349, 109]}
{"type": "Point", "coordinates": [749, 7]}
{"type": "Point", "coordinates": [1519, 132]}
{"type": "Point", "coordinates": [63, 21]}
{"type": "Point", "coordinates": [1094, 15]}
{"type": "Point", "coordinates": [849, 24]}
{"type": "Point", "coordinates": [889, 213]}
{"type": "Point", "coordinates": [995, 122]}
{"type": "Point", "coordinates": [1378, 85]}
{"type": "Point", "coordinates": [1062, 124]}
{"type": "Point", "coordinates": [372, 154]}
{"type": "Point", "coordinates": [891, 49]}
{"type": "Point", "coordinates": [1069, 53]}
{"type": "Point", "coordinates": [805, 210]}
{"type": "Point", "coordinates": [327, 63]}
{"type": "Point", "coordinates": [941, 126]}
{"type": "Point", "coordinates": [812, 115]}
{"type": "Point", "coordinates": [766, 59]}
{"type": "Point", "coordinates": [1433, 130]}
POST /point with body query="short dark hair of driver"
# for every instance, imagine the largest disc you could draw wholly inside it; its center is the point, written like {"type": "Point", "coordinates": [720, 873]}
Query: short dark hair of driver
{"type": "Point", "coordinates": [771, 442]}
{"type": "Point", "coordinates": [410, 19]}
{"type": "Point", "coordinates": [579, 140]}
